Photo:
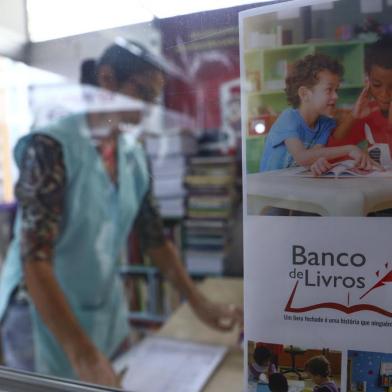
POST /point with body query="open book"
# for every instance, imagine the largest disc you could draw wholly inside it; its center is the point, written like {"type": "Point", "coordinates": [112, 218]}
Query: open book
{"type": "Point", "coordinates": [347, 169]}
{"type": "Point", "coordinates": [159, 364]}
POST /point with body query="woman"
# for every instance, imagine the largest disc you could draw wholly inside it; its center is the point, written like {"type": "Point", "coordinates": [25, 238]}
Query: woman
{"type": "Point", "coordinates": [79, 195]}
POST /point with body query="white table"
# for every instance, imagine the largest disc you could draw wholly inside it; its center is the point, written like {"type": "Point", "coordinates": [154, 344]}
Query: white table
{"type": "Point", "coordinates": [354, 196]}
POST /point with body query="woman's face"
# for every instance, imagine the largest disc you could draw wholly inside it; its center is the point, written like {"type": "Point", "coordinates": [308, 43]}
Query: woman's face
{"type": "Point", "coordinates": [380, 80]}
{"type": "Point", "coordinates": [146, 86]}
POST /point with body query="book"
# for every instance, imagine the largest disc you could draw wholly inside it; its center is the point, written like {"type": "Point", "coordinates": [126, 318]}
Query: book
{"type": "Point", "coordinates": [179, 144]}
{"type": "Point", "coordinates": [205, 261]}
{"type": "Point", "coordinates": [171, 207]}
{"type": "Point", "coordinates": [168, 166]}
{"type": "Point", "coordinates": [168, 187]}
{"type": "Point", "coordinates": [347, 169]}
{"type": "Point", "coordinates": [163, 364]}
{"type": "Point", "coordinates": [209, 181]}
{"type": "Point", "coordinates": [205, 224]}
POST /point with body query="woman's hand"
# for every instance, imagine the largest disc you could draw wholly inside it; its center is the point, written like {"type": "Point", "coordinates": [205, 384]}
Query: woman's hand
{"type": "Point", "coordinates": [91, 366]}
{"type": "Point", "coordinates": [320, 166]}
{"type": "Point", "coordinates": [219, 316]}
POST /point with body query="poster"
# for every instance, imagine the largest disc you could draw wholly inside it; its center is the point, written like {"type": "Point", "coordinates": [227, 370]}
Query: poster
{"type": "Point", "coordinates": [317, 197]}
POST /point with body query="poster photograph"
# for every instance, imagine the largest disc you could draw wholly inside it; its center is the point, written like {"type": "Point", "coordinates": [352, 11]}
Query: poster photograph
{"type": "Point", "coordinates": [278, 367]}
{"type": "Point", "coordinates": [316, 85]}
{"type": "Point", "coordinates": [317, 91]}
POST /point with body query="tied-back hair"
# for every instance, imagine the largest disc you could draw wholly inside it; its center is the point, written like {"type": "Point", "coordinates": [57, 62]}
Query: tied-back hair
{"type": "Point", "coordinates": [88, 72]}
{"type": "Point", "coordinates": [122, 61]}
{"type": "Point", "coordinates": [305, 72]}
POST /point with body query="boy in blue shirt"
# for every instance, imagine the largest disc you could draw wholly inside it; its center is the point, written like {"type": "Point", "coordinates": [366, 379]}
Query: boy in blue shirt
{"type": "Point", "coordinates": [299, 135]}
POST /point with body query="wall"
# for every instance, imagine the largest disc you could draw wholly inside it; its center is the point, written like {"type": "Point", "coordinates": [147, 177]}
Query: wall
{"type": "Point", "coordinates": [13, 28]}
{"type": "Point", "coordinates": [206, 46]}
{"type": "Point", "coordinates": [64, 55]}
{"type": "Point", "coordinates": [346, 13]}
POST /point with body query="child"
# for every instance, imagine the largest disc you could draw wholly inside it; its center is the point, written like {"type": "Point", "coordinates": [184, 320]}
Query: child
{"type": "Point", "coordinates": [278, 383]}
{"type": "Point", "coordinates": [260, 367]}
{"type": "Point", "coordinates": [374, 105]}
{"type": "Point", "coordinates": [300, 133]}
{"type": "Point", "coordinates": [319, 371]}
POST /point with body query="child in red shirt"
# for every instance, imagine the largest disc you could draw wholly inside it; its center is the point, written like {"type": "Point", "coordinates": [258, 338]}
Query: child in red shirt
{"type": "Point", "coordinates": [374, 105]}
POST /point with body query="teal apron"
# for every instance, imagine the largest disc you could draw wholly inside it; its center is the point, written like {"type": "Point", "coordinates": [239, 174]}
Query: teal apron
{"type": "Point", "coordinates": [96, 221]}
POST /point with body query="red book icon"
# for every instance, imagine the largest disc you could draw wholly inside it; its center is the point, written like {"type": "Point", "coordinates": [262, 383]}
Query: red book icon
{"type": "Point", "coordinates": [341, 307]}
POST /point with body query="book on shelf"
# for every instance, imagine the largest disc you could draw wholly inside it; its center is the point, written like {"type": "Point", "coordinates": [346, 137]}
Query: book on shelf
{"type": "Point", "coordinates": [209, 213]}
{"type": "Point", "coordinates": [169, 166]}
{"type": "Point", "coordinates": [136, 291]}
{"type": "Point", "coordinates": [173, 144]}
{"type": "Point", "coordinates": [150, 297]}
{"type": "Point", "coordinates": [213, 165]}
{"type": "Point", "coordinates": [209, 180]}
{"type": "Point", "coordinates": [204, 224]}
{"type": "Point", "coordinates": [205, 261]}
{"type": "Point", "coordinates": [168, 187]}
{"type": "Point", "coordinates": [171, 207]}
{"type": "Point", "coordinates": [211, 186]}
{"type": "Point", "coordinates": [210, 201]}
{"type": "Point", "coordinates": [205, 241]}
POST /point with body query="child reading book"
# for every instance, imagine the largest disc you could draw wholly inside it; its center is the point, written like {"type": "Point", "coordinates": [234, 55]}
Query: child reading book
{"type": "Point", "coordinates": [299, 135]}
{"type": "Point", "coordinates": [371, 117]}
{"type": "Point", "coordinates": [319, 370]}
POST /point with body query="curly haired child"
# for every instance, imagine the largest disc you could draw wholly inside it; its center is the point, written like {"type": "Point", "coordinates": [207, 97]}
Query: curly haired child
{"type": "Point", "coordinates": [299, 135]}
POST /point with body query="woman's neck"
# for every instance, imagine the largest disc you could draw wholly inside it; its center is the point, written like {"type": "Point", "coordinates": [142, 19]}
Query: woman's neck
{"type": "Point", "coordinates": [101, 124]}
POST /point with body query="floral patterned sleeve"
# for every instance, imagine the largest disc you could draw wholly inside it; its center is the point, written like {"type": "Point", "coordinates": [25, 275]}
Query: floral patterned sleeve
{"type": "Point", "coordinates": [40, 195]}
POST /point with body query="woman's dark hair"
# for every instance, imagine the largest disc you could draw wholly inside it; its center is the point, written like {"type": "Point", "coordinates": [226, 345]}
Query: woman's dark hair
{"type": "Point", "coordinates": [305, 72]}
{"type": "Point", "coordinates": [379, 53]}
{"type": "Point", "coordinates": [277, 382]}
{"type": "Point", "coordinates": [261, 355]}
{"type": "Point", "coordinates": [318, 366]}
{"type": "Point", "coordinates": [88, 72]}
{"type": "Point", "coordinates": [125, 62]}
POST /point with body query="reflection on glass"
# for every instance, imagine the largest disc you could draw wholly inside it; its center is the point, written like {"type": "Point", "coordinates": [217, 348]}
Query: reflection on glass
{"type": "Point", "coordinates": [84, 182]}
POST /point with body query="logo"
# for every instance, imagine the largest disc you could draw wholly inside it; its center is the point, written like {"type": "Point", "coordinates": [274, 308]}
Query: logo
{"type": "Point", "coordinates": [308, 272]}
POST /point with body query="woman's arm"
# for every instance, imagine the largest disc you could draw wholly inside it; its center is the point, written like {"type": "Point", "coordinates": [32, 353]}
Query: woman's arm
{"type": "Point", "coordinates": [88, 362]}
{"type": "Point", "coordinates": [217, 315]}
{"type": "Point", "coordinates": [165, 256]}
{"type": "Point", "coordinates": [40, 193]}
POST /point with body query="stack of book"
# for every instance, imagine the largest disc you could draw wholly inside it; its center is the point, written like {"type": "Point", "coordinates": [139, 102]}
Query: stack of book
{"type": "Point", "coordinates": [168, 156]}
{"type": "Point", "coordinates": [211, 199]}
